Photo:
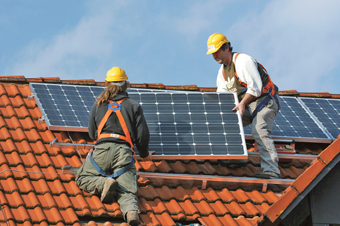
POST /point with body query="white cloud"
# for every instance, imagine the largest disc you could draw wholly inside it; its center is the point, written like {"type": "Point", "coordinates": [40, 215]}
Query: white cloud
{"type": "Point", "coordinates": [66, 54]}
{"type": "Point", "coordinates": [296, 40]}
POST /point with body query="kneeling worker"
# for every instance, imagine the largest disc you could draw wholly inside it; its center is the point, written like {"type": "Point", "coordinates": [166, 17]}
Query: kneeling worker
{"type": "Point", "coordinates": [258, 97]}
{"type": "Point", "coordinates": [116, 122]}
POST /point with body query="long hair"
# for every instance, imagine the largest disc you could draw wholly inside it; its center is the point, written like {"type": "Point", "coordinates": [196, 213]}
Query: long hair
{"type": "Point", "coordinates": [110, 91]}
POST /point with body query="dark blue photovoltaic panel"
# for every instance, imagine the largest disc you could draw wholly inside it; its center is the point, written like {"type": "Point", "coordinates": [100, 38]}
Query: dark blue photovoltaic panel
{"type": "Point", "coordinates": [181, 123]}
{"type": "Point", "coordinates": [68, 106]}
{"type": "Point", "coordinates": [192, 123]}
{"type": "Point", "coordinates": [294, 121]}
{"type": "Point", "coordinates": [327, 111]}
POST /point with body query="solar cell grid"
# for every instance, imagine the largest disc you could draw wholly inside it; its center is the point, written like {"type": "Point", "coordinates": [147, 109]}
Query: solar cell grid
{"type": "Point", "coordinates": [181, 125]}
{"type": "Point", "coordinates": [327, 112]}
{"type": "Point", "coordinates": [183, 122]}
{"type": "Point", "coordinates": [294, 122]}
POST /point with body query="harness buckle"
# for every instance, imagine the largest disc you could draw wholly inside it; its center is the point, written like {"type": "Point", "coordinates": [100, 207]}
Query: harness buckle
{"type": "Point", "coordinates": [114, 135]}
{"type": "Point", "coordinates": [114, 106]}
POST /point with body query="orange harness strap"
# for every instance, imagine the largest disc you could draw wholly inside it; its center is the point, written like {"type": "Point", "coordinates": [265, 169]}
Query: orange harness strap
{"type": "Point", "coordinates": [115, 107]}
{"type": "Point", "coordinates": [265, 88]}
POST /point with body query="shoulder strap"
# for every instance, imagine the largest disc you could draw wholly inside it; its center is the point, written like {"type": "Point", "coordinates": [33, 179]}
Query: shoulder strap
{"type": "Point", "coordinates": [238, 79]}
{"type": "Point", "coordinates": [111, 107]}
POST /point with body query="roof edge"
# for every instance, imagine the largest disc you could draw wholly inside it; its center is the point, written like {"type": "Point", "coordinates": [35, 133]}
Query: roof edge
{"type": "Point", "coordinates": [302, 182]}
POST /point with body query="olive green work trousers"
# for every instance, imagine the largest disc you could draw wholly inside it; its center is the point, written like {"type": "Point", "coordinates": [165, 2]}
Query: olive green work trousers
{"type": "Point", "coordinates": [111, 157]}
{"type": "Point", "coordinates": [261, 129]}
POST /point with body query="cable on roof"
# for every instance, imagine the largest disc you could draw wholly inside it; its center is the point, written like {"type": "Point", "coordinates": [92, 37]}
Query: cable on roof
{"type": "Point", "coordinates": [3, 213]}
{"type": "Point", "coordinates": [25, 171]}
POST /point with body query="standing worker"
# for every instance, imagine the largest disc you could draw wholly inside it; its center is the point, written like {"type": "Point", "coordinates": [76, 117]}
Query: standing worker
{"type": "Point", "coordinates": [258, 97]}
{"type": "Point", "coordinates": [116, 122]}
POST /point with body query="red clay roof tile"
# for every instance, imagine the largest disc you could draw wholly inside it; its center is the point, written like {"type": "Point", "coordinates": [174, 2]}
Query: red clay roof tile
{"type": "Point", "coordinates": [4, 101]}
{"type": "Point", "coordinates": [56, 187]}
{"type": "Point", "coordinates": [2, 90]}
{"type": "Point", "coordinates": [30, 103]}
{"type": "Point", "coordinates": [72, 188]}
{"type": "Point", "coordinates": [204, 208]}
{"type": "Point", "coordinates": [226, 195]}
{"type": "Point", "coordinates": [30, 200]}
{"type": "Point", "coordinates": [44, 160]}
{"type": "Point", "coordinates": [150, 219]}
{"type": "Point", "coordinates": [38, 147]}
{"type": "Point", "coordinates": [35, 173]}
{"type": "Point", "coordinates": [163, 167]}
{"type": "Point", "coordinates": [242, 221]}
{"type": "Point", "coordinates": [6, 171]}
{"type": "Point", "coordinates": [211, 220]}
{"type": "Point", "coordinates": [46, 200]}
{"type": "Point", "coordinates": [53, 215]}
{"type": "Point", "coordinates": [40, 186]}
{"type": "Point", "coordinates": [27, 123]}
{"type": "Point", "coordinates": [17, 101]}
{"type": "Point", "coordinates": [165, 219]}
{"type": "Point", "coordinates": [227, 220]}
{"type": "Point", "coordinates": [78, 202]}
{"type": "Point", "coordinates": [188, 207]}
{"type": "Point", "coordinates": [219, 208]}
{"type": "Point", "coordinates": [173, 207]}
{"type": "Point", "coordinates": [235, 209]}
{"type": "Point", "coordinates": [17, 135]}
{"type": "Point", "coordinates": [47, 136]}
{"type": "Point", "coordinates": [13, 123]}
{"type": "Point", "coordinates": [69, 216]}
{"type": "Point", "coordinates": [35, 113]}
{"type": "Point", "coordinates": [155, 206]}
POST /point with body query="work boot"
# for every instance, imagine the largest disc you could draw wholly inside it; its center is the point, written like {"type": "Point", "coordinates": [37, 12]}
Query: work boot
{"type": "Point", "coordinates": [267, 175]}
{"type": "Point", "coordinates": [109, 190]}
{"type": "Point", "coordinates": [132, 218]}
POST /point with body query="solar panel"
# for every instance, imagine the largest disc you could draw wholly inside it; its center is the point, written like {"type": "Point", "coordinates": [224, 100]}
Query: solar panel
{"type": "Point", "coordinates": [327, 112]}
{"type": "Point", "coordinates": [294, 122]}
{"type": "Point", "coordinates": [193, 124]}
{"type": "Point", "coordinates": [67, 107]}
{"type": "Point", "coordinates": [181, 124]}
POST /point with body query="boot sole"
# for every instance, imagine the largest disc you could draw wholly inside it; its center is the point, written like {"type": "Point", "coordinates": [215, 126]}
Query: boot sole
{"type": "Point", "coordinates": [108, 192]}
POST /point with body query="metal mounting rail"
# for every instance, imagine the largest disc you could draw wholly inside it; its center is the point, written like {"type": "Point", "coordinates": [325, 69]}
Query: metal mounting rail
{"type": "Point", "coordinates": [287, 156]}
{"type": "Point", "coordinates": [250, 154]}
{"type": "Point", "coordinates": [204, 178]}
{"type": "Point", "coordinates": [215, 178]}
{"type": "Point", "coordinates": [70, 145]}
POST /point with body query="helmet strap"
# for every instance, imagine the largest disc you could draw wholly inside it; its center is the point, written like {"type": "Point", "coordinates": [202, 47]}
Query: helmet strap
{"type": "Point", "coordinates": [118, 83]}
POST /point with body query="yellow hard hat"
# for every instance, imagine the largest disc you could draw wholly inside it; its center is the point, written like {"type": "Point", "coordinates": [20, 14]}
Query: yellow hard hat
{"type": "Point", "coordinates": [116, 74]}
{"type": "Point", "coordinates": [215, 42]}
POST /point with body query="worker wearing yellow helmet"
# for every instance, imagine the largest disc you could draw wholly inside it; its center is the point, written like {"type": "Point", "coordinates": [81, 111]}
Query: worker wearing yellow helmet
{"type": "Point", "coordinates": [258, 97]}
{"type": "Point", "coordinates": [117, 124]}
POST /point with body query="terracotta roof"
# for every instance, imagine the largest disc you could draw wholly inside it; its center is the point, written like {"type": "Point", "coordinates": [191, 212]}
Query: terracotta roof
{"type": "Point", "coordinates": [35, 191]}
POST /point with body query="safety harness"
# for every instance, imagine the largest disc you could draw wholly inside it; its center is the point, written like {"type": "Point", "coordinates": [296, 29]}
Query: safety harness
{"type": "Point", "coordinates": [116, 108]}
{"type": "Point", "coordinates": [268, 90]}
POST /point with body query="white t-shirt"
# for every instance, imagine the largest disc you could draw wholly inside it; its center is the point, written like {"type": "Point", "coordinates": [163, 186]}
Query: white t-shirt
{"type": "Point", "coordinates": [246, 68]}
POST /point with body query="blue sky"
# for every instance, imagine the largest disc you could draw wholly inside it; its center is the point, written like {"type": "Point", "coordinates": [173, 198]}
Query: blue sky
{"type": "Point", "coordinates": [165, 41]}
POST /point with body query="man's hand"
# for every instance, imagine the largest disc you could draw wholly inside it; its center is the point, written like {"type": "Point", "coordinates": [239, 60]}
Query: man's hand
{"type": "Point", "coordinates": [149, 157]}
{"type": "Point", "coordinates": [241, 107]}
